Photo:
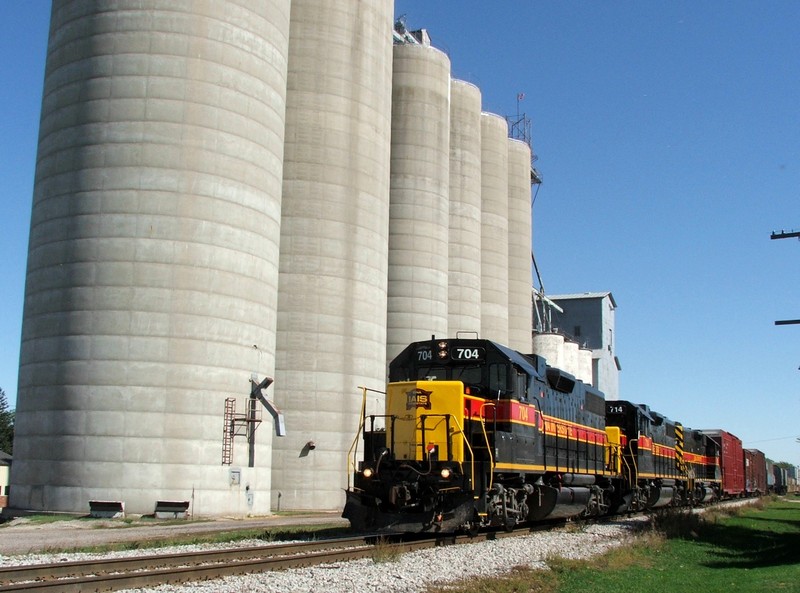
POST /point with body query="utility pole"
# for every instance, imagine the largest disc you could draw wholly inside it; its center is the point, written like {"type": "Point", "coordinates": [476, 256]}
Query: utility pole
{"type": "Point", "coordinates": [786, 235]}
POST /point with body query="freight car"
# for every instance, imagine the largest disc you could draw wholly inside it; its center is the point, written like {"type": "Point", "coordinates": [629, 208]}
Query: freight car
{"type": "Point", "coordinates": [781, 480]}
{"type": "Point", "coordinates": [475, 434]}
{"type": "Point", "coordinates": [755, 472]}
{"type": "Point", "coordinates": [731, 462]}
{"type": "Point", "coordinates": [792, 485]}
{"type": "Point", "coordinates": [770, 477]}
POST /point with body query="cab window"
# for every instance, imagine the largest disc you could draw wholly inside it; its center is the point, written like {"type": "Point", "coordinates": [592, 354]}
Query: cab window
{"type": "Point", "coordinates": [520, 385]}
{"type": "Point", "coordinates": [498, 379]}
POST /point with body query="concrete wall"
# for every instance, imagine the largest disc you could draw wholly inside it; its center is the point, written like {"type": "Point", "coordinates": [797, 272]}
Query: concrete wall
{"type": "Point", "coordinates": [334, 242]}
{"type": "Point", "coordinates": [420, 179]}
{"type": "Point", "coordinates": [152, 265]}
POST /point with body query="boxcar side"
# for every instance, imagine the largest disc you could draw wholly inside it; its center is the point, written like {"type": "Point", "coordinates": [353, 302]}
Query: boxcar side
{"type": "Point", "coordinates": [731, 462]}
{"type": "Point", "coordinates": [755, 472]}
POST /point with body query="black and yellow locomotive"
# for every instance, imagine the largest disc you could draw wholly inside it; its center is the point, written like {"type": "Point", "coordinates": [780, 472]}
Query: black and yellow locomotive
{"type": "Point", "coordinates": [662, 462]}
{"type": "Point", "coordinates": [477, 434]}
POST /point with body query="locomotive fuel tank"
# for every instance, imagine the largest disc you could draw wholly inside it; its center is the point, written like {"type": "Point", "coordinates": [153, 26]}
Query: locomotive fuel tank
{"type": "Point", "coordinates": [660, 495]}
{"type": "Point", "coordinates": [558, 503]}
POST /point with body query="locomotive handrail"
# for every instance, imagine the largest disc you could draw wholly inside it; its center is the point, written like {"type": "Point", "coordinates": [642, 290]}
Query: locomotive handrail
{"type": "Point", "coordinates": [615, 457]}
{"type": "Point", "coordinates": [469, 447]}
{"type": "Point", "coordinates": [633, 472]}
{"type": "Point", "coordinates": [463, 434]}
{"type": "Point", "coordinates": [486, 438]}
{"type": "Point", "coordinates": [446, 417]}
{"type": "Point", "coordinates": [353, 451]}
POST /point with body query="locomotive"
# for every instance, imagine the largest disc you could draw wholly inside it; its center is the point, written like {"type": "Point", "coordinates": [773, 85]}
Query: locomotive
{"type": "Point", "coordinates": [475, 434]}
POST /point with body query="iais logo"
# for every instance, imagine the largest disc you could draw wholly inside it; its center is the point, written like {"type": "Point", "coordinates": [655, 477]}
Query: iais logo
{"type": "Point", "coordinates": [418, 398]}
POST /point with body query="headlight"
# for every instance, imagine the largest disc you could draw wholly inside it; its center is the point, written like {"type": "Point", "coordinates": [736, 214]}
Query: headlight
{"type": "Point", "coordinates": [367, 473]}
{"type": "Point", "coordinates": [445, 473]}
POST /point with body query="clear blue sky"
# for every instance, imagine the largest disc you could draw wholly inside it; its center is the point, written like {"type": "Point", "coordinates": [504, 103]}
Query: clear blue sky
{"type": "Point", "coordinates": [668, 135]}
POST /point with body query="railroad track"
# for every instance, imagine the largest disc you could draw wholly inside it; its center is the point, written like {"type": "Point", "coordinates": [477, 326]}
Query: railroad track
{"type": "Point", "coordinates": [159, 569]}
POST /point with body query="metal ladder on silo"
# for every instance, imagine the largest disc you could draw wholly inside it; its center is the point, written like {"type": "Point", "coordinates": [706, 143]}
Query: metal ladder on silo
{"type": "Point", "coordinates": [227, 431]}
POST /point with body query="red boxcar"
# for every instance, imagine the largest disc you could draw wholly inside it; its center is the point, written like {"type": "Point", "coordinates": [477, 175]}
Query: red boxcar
{"type": "Point", "coordinates": [731, 462]}
{"type": "Point", "coordinates": [755, 472]}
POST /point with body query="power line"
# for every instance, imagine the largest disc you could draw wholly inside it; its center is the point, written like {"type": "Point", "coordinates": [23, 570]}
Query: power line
{"type": "Point", "coordinates": [771, 440]}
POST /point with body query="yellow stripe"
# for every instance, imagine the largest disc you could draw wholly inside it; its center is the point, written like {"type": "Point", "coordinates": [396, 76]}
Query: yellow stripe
{"type": "Point", "coordinates": [542, 468]}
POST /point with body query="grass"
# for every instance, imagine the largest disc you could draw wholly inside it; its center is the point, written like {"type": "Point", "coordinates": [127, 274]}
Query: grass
{"type": "Point", "coordinates": [47, 519]}
{"type": "Point", "coordinates": [748, 549]}
{"type": "Point", "coordinates": [384, 551]}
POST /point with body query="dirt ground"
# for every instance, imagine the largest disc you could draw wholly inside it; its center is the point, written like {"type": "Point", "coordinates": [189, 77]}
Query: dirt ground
{"type": "Point", "coordinates": [24, 535]}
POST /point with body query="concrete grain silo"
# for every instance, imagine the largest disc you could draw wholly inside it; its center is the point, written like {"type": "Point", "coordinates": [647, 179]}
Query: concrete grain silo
{"type": "Point", "coordinates": [520, 279]}
{"type": "Point", "coordinates": [420, 179]}
{"type": "Point", "coordinates": [464, 291]}
{"type": "Point", "coordinates": [494, 228]}
{"type": "Point", "coordinates": [334, 242]}
{"type": "Point", "coordinates": [585, 365]}
{"type": "Point", "coordinates": [152, 263]}
{"type": "Point", "coordinates": [571, 358]}
{"type": "Point", "coordinates": [551, 347]}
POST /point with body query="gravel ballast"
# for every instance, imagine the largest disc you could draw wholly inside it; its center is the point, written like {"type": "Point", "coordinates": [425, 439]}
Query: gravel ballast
{"type": "Point", "coordinates": [410, 572]}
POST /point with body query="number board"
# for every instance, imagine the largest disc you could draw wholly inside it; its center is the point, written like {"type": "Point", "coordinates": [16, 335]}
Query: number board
{"type": "Point", "coordinates": [467, 354]}
{"type": "Point", "coordinates": [424, 355]}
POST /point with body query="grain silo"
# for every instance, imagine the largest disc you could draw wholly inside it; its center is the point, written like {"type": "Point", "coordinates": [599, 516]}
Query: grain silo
{"type": "Point", "coordinates": [585, 365]}
{"type": "Point", "coordinates": [551, 347]}
{"type": "Point", "coordinates": [334, 242]}
{"type": "Point", "coordinates": [464, 291]}
{"type": "Point", "coordinates": [494, 228]}
{"type": "Point", "coordinates": [520, 279]}
{"type": "Point", "coordinates": [152, 263]}
{"type": "Point", "coordinates": [571, 358]}
{"type": "Point", "coordinates": [419, 214]}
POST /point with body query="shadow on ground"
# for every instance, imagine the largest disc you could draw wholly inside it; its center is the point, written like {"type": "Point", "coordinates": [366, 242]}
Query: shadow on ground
{"type": "Point", "coordinates": [773, 540]}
